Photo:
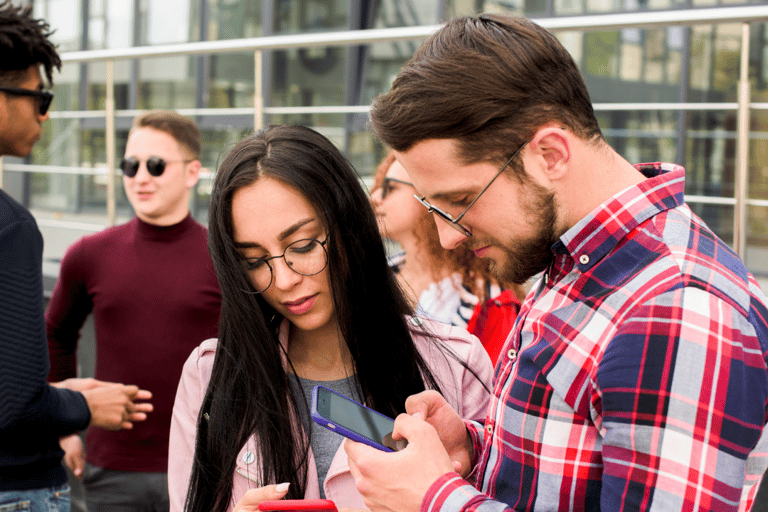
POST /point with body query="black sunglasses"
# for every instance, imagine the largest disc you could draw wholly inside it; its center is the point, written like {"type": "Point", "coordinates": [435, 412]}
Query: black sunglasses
{"type": "Point", "coordinates": [386, 185]}
{"type": "Point", "coordinates": [44, 98]}
{"type": "Point", "coordinates": [155, 165]}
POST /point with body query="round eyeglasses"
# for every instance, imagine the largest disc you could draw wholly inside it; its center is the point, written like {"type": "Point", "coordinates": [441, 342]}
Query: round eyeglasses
{"type": "Point", "coordinates": [306, 257]}
{"type": "Point", "coordinates": [155, 165]}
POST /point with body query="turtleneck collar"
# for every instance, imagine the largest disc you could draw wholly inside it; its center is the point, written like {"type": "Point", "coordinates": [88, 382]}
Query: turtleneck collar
{"type": "Point", "coordinates": [149, 231]}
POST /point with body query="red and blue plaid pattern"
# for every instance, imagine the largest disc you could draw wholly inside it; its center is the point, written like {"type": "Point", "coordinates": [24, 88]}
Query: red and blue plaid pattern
{"type": "Point", "coordinates": [635, 377]}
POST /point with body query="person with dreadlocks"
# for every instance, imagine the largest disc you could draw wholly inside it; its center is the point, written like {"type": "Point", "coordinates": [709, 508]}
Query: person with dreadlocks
{"type": "Point", "coordinates": [33, 413]}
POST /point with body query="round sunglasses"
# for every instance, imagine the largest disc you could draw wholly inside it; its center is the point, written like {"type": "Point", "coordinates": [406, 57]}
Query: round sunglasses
{"type": "Point", "coordinates": [44, 98]}
{"type": "Point", "coordinates": [155, 165]}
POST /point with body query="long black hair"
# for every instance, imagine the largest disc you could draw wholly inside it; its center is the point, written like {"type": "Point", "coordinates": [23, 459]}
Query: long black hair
{"type": "Point", "coordinates": [249, 389]}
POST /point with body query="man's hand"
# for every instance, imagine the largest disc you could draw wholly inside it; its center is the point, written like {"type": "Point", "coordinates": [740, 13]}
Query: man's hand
{"type": "Point", "coordinates": [74, 454]}
{"type": "Point", "coordinates": [398, 481]}
{"type": "Point", "coordinates": [251, 499]}
{"type": "Point", "coordinates": [81, 384]}
{"type": "Point", "coordinates": [113, 408]}
{"type": "Point", "coordinates": [449, 425]}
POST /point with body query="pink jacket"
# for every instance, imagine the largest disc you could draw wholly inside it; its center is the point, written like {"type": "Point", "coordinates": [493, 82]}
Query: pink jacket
{"type": "Point", "coordinates": [461, 389]}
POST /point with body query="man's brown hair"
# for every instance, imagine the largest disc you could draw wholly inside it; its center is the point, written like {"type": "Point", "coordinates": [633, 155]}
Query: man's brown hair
{"type": "Point", "coordinates": [489, 82]}
{"type": "Point", "coordinates": [183, 129]}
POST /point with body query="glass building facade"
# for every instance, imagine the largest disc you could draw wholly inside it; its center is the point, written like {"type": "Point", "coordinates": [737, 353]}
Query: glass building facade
{"type": "Point", "coordinates": [661, 67]}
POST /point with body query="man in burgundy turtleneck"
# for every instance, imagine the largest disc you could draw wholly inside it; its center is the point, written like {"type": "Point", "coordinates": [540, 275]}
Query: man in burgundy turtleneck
{"type": "Point", "coordinates": [151, 287]}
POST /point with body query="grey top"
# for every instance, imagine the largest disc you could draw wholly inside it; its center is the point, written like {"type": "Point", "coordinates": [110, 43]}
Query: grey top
{"type": "Point", "coordinates": [324, 443]}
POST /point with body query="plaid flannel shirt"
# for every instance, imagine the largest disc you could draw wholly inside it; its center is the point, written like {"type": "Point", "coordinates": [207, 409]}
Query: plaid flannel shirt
{"type": "Point", "coordinates": [635, 377]}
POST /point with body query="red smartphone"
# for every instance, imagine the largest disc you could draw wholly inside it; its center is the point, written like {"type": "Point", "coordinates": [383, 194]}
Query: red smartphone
{"type": "Point", "coordinates": [296, 505]}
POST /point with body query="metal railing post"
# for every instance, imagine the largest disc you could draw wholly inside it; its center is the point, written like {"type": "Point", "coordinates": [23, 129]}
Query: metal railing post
{"type": "Point", "coordinates": [742, 152]}
{"type": "Point", "coordinates": [110, 142]}
{"type": "Point", "coordinates": [258, 96]}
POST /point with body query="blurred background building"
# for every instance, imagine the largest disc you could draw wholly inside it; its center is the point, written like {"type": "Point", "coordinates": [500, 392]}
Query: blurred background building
{"type": "Point", "coordinates": [661, 93]}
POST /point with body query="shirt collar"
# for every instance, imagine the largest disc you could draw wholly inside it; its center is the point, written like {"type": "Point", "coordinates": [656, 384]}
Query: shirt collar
{"type": "Point", "coordinates": [598, 233]}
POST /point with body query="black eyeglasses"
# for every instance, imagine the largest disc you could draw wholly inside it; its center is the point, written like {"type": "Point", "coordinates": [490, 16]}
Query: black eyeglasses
{"type": "Point", "coordinates": [155, 165]}
{"type": "Point", "coordinates": [386, 185]}
{"type": "Point", "coordinates": [454, 223]}
{"type": "Point", "coordinates": [44, 98]}
{"type": "Point", "coordinates": [306, 257]}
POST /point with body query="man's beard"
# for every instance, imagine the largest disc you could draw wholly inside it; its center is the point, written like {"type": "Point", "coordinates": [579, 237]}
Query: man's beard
{"type": "Point", "coordinates": [526, 258]}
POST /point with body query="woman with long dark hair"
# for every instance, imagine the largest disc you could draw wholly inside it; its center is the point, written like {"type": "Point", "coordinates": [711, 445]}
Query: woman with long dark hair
{"type": "Point", "coordinates": [307, 298]}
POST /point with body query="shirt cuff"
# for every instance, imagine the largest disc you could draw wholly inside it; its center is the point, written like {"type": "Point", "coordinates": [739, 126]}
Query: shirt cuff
{"type": "Point", "coordinates": [476, 430]}
{"type": "Point", "coordinates": [440, 491]}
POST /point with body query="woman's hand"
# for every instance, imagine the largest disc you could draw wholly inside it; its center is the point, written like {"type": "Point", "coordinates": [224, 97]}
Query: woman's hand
{"type": "Point", "coordinates": [250, 501]}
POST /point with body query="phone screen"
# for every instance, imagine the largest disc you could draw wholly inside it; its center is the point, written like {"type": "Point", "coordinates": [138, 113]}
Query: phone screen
{"type": "Point", "coordinates": [353, 416]}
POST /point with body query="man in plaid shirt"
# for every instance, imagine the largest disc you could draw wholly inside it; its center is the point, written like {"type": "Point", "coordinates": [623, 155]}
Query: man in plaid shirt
{"type": "Point", "coordinates": [635, 377]}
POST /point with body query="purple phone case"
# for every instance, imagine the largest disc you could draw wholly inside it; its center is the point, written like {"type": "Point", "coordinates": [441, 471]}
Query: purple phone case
{"type": "Point", "coordinates": [341, 429]}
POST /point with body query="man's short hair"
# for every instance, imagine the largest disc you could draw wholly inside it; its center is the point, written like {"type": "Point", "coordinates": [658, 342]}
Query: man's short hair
{"type": "Point", "coordinates": [181, 128]}
{"type": "Point", "coordinates": [489, 82]}
{"type": "Point", "coordinates": [24, 43]}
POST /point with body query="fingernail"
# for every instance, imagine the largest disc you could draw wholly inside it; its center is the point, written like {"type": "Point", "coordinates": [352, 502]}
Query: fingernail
{"type": "Point", "coordinates": [418, 415]}
{"type": "Point", "coordinates": [282, 487]}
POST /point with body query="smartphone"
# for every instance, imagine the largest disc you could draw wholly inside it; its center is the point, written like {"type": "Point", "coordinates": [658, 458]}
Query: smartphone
{"type": "Point", "coordinates": [344, 416]}
{"type": "Point", "coordinates": [296, 505]}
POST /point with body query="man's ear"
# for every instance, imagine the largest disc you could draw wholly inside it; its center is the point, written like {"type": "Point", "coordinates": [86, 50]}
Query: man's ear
{"type": "Point", "coordinates": [193, 172]}
{"type": "Point", "coordinates": [552, 145]}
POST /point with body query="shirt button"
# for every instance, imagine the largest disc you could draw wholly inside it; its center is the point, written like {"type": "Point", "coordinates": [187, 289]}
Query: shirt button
{"type": "Point", "coordinates": [583, 259]}
{"type": "Point", "coordinates": [249, 457]}
{"type": "Point", "coordinates": [512, 354]}
{"type": "Point", "coordinates": [416, 321]}
{"type": "Point", "coordinates": [489, 428]}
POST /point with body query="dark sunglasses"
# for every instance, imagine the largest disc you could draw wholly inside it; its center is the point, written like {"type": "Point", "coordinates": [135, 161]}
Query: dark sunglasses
{"type": "Point", "coordinates": [155, 165]}
{"type": "Point", "coordinates": [386, 185]}
{"type": "Point", "coordinates": [44, 98]}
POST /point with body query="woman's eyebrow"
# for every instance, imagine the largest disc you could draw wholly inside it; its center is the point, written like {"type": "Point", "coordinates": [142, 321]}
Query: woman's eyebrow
{"type": "Point", "coordinates": [282, 236]}
{"type": "Point", "coordinates": [292, 229]}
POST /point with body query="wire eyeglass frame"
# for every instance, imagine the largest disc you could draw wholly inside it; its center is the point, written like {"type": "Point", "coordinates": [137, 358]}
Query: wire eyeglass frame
{"type": "Point", "coordinates": [288, 263]}
{"type": "Point", "coordinates": [455, 222]}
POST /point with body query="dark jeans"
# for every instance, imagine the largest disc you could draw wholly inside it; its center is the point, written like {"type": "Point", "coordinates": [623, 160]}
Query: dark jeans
{"type": "Point", "coordinates": [108, 490]}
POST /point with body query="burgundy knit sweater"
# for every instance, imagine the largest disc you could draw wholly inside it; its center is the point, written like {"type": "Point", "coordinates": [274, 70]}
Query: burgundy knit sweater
{"type": "Point", "coordinates": [154, 296]}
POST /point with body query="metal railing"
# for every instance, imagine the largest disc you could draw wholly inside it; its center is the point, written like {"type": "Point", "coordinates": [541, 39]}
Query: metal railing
{"type": "Point", "coordinates": [681, 17]}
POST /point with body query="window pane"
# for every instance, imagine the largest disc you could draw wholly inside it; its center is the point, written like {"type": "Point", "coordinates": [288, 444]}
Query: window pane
{"type": "Point", "coordinates": [641, 136]}
{"type": "Point", "coordinates": [168, 22]}
{"type": "Point", "coordinates": [711, 153]}
{"type": "Point", "coordinates": [756, 257]}
{"type": "Point", "coordinates": [64, 17]}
